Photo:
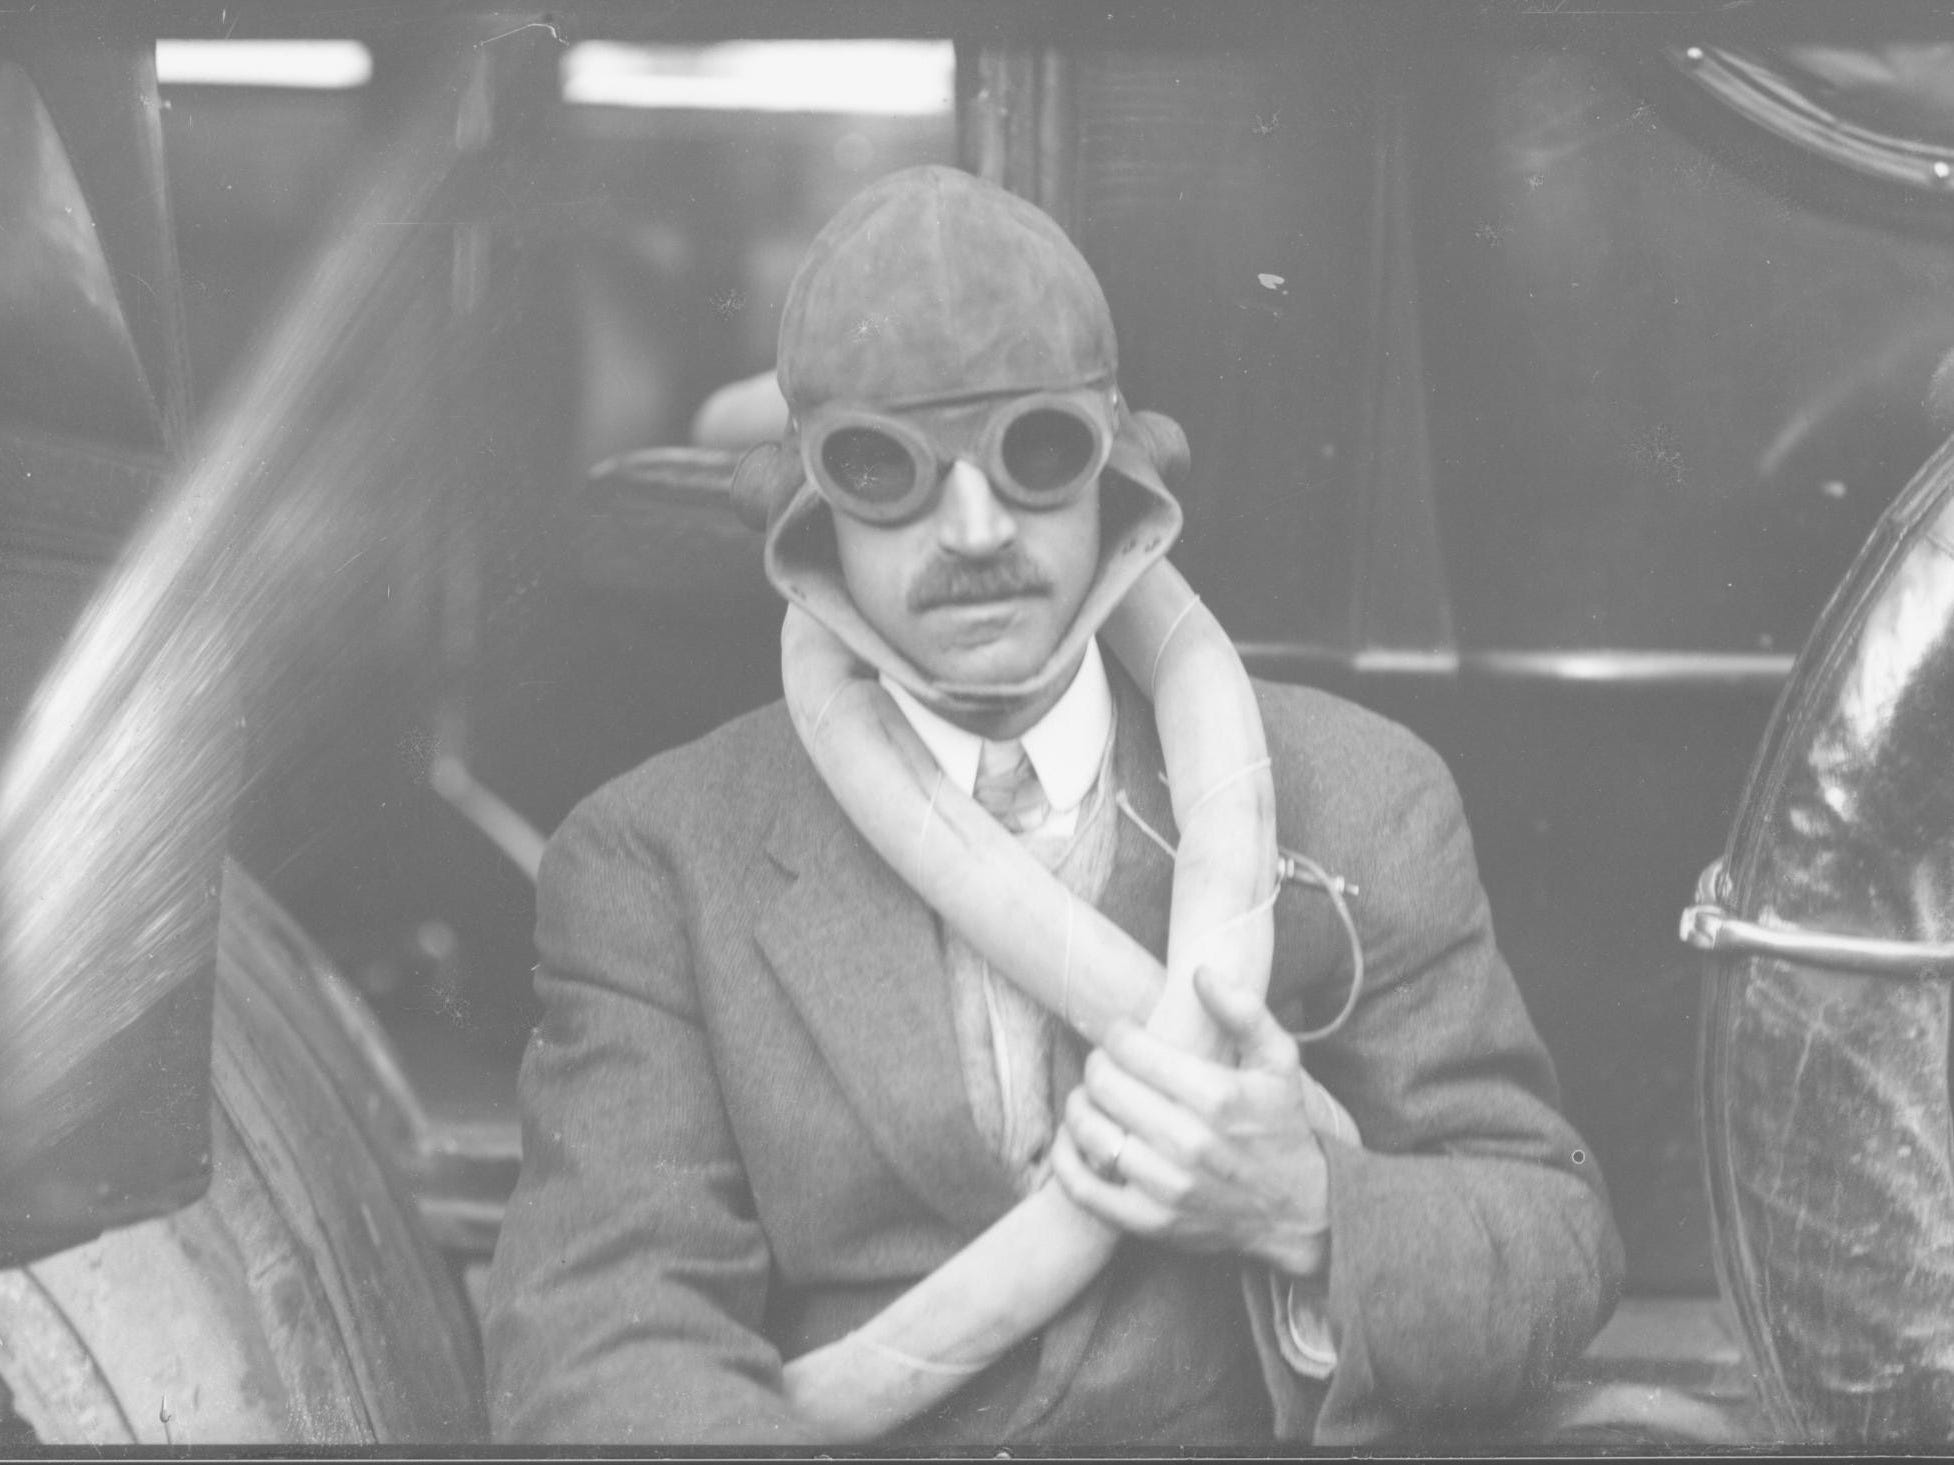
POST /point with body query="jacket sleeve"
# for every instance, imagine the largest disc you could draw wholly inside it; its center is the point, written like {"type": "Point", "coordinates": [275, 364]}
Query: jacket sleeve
{"type": "Point", "coordinates": [1472, 1252]}
{"type": "Point", "coordinates": [630, 1277]}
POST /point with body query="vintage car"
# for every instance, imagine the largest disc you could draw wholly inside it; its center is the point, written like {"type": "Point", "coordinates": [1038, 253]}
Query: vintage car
{"type": "Point", "coordinates": [1552, 380]}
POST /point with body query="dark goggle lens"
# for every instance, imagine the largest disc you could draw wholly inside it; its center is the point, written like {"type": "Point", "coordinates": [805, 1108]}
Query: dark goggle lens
{"type": "Point", "coordinates": [1047, 451]}
{"type": "Point", "coordinates": [868, 465]}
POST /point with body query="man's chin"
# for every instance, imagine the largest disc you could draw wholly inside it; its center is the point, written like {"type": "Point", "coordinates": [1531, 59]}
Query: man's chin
{"type": "Point", "coordinates": [984, 668]}
{"type": "Point", "coordinates": [993, 644]}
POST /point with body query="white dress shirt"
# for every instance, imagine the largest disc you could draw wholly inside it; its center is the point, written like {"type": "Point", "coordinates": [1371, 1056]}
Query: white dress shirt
{"type": "Point", "coordinates": [1066, 746]}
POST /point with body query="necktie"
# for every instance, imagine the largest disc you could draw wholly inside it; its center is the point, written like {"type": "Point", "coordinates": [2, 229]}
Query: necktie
{"type": "Point", "coordinates": [1003, 1032]}
{"type": "Point", "coordinates": [1008, 788]}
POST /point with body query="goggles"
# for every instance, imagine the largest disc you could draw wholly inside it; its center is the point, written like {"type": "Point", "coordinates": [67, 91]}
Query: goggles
{"type": "Point", "coordinates": [1039, 450]}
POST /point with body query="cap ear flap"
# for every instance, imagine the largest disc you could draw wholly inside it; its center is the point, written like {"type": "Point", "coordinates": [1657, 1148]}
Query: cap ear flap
{"type": "Point", "coordinates": [764, 480]}
{"type": "Point", "coordinates": [1165, 445]}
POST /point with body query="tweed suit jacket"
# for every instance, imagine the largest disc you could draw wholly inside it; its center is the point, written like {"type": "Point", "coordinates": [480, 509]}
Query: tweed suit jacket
{"type": "Point", "coordinates": [745, 1129]}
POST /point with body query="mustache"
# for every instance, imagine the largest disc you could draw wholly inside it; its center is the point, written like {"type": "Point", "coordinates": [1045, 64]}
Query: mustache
{"type": "Point", "coordinates": [963, 582]}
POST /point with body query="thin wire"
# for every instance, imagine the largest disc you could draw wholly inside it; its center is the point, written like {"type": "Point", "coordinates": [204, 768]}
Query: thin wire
{"type": "Point", "coordinates": [1302, 870]}
{"type": "Point", "coordinates": [1126, 808]}
{"type": "Point", "coordinates": [1153, 677]}
{"type": "Point", "coordinates": [821, 719]}
{"type": "Point", "coordinates": [1255, 910]}
{"type": "Point", "coordinates": [1247, 770]}
{"type": "Point", "coordinates": [1296, 869]}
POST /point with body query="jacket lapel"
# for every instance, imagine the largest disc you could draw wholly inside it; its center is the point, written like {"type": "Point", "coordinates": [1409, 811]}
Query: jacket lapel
{"type": "Point", "coordinates": [861, 958]}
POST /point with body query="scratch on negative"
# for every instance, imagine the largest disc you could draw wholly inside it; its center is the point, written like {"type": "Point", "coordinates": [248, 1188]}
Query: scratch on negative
{"type": "Point", "coordinates": [550, 26]}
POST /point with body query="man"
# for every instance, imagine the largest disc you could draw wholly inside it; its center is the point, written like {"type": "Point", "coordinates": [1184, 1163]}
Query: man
{"type": "Point", "coordinates": [771, 1090]}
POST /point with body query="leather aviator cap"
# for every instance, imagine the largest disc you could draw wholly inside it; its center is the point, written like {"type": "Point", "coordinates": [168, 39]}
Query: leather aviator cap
{"type": "Point", "coordinates": [931, 286]}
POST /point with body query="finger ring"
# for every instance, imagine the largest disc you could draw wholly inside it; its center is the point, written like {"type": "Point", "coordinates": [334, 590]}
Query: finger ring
{"type": "Point", "coordinates": [1109, 1169]}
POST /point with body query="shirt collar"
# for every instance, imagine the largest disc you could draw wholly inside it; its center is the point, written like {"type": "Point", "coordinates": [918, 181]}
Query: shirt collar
{"type": "Point", "coordinates": [1066, 746]}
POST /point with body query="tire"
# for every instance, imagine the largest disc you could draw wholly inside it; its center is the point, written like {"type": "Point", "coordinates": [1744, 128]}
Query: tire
{"type": "Point", "coordinates": [299, 1301]}
{"type": "Point", "coordinates": [1826, 1110]}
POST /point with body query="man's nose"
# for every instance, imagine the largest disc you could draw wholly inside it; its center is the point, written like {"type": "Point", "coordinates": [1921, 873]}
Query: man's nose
{"type": "Point", "coordinates": [972, 520]}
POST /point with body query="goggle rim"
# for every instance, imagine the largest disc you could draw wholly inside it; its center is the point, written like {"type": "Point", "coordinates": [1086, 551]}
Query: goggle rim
{"type": "Point", "coordinates": [930, 469]}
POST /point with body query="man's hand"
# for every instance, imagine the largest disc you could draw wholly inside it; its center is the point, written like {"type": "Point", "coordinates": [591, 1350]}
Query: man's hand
{"type": "Point", "coordinates": [1202, 1156]}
